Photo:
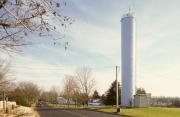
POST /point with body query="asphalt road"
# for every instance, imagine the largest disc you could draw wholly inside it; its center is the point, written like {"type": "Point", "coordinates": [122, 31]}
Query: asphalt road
{"type": "Point", "coordinates": [71, 113]}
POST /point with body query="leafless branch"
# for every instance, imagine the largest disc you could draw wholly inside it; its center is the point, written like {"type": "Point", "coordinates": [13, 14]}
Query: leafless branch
{"type": "Point", "coordinates": [22, 17]}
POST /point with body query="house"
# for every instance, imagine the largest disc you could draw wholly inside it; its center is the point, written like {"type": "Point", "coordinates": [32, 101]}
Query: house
{"type": "Point", "coordinates": [95, 102]}
{"type": "Point", "coordinates": [61, 100]}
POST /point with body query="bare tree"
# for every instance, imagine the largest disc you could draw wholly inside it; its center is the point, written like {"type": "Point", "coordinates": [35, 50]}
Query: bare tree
{"type": "Point", "coordinates": [70, 88]}
{"type": "Point", "coordinates": [4, 72]}
{"type": "Point", "coordinates": [4, 68]}
{"type": "Point", "coordinates": [18, 18]}
{"type": "Point", "coordinates": [49, 96]}
{"type": "Point", "coordinates": [30, 90]}
{"type": "Point", "coordinates": [85, 81]}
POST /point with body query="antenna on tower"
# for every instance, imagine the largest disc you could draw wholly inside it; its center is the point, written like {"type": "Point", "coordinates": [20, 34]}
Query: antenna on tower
{"type": "Point", "coordinates": [131, 6]}
{"type": "Point", "coordinates": [129, 9]}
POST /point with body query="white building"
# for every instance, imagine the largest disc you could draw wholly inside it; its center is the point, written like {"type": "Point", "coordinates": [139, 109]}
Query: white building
{"type": "Point", "coordinates": [142, 100]}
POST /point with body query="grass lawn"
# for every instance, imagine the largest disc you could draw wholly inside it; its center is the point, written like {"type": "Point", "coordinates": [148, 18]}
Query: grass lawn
{"type": "Point", "coordinates": [146, 112]}
{"type": "Point", "coordinates": [64, 106]}
{"type": "Point", "coordinates": [133, 112]}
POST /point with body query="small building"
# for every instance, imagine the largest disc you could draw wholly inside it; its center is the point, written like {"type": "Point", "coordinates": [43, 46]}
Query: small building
{"type": "Point", "coordinates": [142, 100]}
{"type": "Point", "coordinates": [61, 100]}
{"type": "Point", "coordinates": [95, 102]}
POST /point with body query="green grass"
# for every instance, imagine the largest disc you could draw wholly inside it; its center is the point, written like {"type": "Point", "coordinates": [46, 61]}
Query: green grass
{"type": "Point", "coordinates": [152, 112]}
{"type": "Point", "coordinates": [146, 112]}
{"type": "Point", "coordinates": [64, 106]}
{"type": "Point", "coordinates": [133, 112]}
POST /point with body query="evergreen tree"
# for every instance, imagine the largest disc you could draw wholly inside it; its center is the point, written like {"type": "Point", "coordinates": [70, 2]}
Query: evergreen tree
{"type": "Point", "coordinates": [140, 91]}
{"type": "Point", "coordinates": [110, 97]}
{"type": "Point", "coordinates": [95, 95]}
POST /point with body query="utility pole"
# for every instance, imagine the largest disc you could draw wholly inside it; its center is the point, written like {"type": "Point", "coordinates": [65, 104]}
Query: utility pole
{"type": "Point", "coordinates": [4, 103]}
{"type": "Point", "coordinates": [117, 91]}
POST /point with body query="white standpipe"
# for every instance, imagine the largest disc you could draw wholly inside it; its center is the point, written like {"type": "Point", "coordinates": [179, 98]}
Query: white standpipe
{"type": "Point", "coordinates": [127, 59]}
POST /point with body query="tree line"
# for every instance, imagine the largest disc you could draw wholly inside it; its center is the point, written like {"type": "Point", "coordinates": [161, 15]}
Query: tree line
{"type": "Point", "coordinates": [24, 93]}
{"type": "Point", "coordinates": [165, 101]}
{"type": "Point", "coordinates": [79, 88]}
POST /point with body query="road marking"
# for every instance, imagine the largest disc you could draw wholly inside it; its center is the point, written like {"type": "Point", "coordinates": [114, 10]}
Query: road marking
{"type": "Point", "coordinates": [75, 113]}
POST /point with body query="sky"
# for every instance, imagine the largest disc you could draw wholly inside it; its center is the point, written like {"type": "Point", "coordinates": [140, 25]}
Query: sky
{"type": "Point", "coordinates": [95, 41]}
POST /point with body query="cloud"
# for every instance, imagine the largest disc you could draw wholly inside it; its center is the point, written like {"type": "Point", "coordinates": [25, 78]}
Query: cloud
{"type": "Point", "coordinates": [46, 75]}
{"type": "Point", "coordinates": [27, 68]}
{"type": "Point", "coordinates": [95, 39]}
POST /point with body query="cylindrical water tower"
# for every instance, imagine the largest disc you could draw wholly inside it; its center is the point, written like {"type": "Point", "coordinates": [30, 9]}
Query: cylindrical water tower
{"type": "Point", "coordinates": [127, 59]}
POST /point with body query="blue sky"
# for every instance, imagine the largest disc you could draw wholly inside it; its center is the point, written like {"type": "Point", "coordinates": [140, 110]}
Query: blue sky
{"type": "Point", "coordinates": [94, 41]}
